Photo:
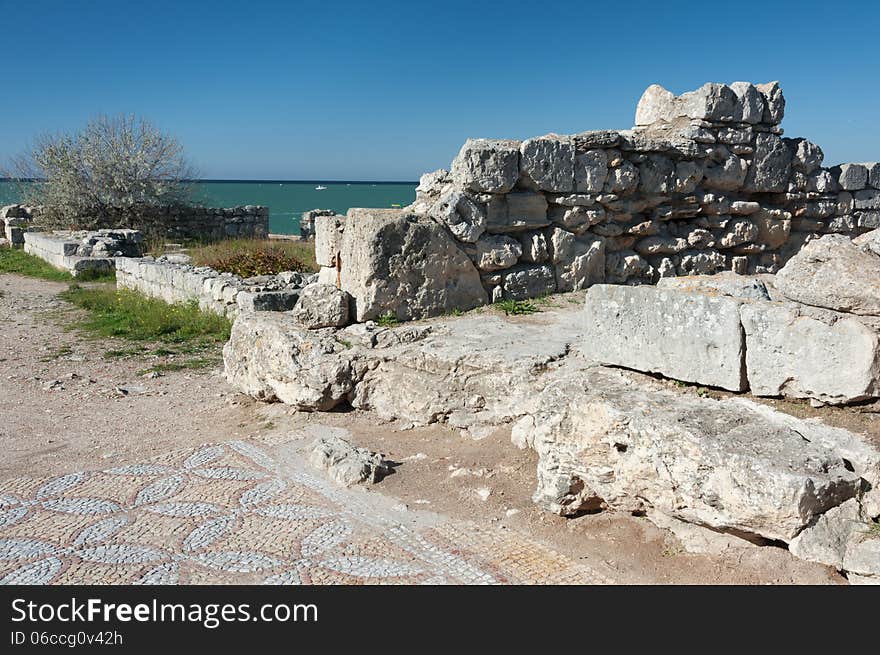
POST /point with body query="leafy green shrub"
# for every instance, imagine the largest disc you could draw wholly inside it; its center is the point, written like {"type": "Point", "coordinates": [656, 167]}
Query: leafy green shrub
{"type": "Point", "coordinates": [517, 307]}
{"type": "Point", "coordinates": [388, 319]}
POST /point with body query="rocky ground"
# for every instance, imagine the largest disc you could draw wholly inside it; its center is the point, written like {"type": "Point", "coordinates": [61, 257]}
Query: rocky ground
{"type": "Point", "coordinates": [106, 478]}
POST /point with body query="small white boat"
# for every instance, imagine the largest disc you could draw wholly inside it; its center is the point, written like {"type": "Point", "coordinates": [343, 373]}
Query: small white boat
{"type": "Point", "coordinates": [320, 188]}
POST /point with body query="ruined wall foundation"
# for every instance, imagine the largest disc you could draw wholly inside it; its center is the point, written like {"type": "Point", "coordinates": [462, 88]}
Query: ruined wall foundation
{"type": "Point", "coordinates": [704, 182]}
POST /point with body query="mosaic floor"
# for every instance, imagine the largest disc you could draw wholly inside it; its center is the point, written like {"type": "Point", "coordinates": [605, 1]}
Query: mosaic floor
{"type": "Point", "coordinates": [228, 514]}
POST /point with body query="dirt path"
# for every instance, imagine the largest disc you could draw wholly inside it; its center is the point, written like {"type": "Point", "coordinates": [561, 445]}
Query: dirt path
{"type": "Point", "coordinates": [62, 410]}
{"type": "Point", "coordinates": [64, 416]}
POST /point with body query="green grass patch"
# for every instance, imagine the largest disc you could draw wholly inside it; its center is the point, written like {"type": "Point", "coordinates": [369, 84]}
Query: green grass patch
{"type": "Point", "coordinates": [517, 307]}
{"type": "Point", "coordinates": [388, 319]}
{"type": "Point", "coordinates": [133, 316]}
{"type": "Point", "coordinates": [250, 257]}
{"type": "Point", "coordinates": [13, 260]}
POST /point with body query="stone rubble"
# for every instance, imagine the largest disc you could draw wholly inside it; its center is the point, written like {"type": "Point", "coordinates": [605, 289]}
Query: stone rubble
{"type": "Point", "coordinates": [605, 440]}
{"type": "Point", "coordinates": [348, 464]}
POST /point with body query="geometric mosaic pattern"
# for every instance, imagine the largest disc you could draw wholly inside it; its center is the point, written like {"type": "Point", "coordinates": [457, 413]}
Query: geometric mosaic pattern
{"type": "Point", "coordinates": [223, 514]}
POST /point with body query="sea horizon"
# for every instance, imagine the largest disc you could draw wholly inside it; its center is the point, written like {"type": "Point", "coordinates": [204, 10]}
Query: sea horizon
{"type": "Point", "coordinates": [286, 199]}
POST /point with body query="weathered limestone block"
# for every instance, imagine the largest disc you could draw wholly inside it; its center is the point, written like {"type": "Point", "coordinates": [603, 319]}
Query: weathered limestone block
{"type": "Point", "coordinates": [590, 171]}
{"type": "Point", "coordinates": [685, 336]}
{"type": "Point", "coordinates": [495, 252]}
{"type": "Point", "coordinates": [577, 219]}
{"type": "Point", "coordinates": [873, 174]}
{"type": "Point", "coordinates": [700, 262]}
{"type": "Point", "coordinates": [548, 163]}
{"type": "Point", "coordinates": [737, 232]}
{"type": "Point", "coordinates": [622, 179]}
{"type": "Point", "coordinates": [515, 212]}
{"type": "Point", "coordinates": [347, 464]}
{"type": "Point", "coordinates": [729, 465]}
{"type": "Point", "coordinates": [751, 103]}
{"type": "Point", "coordinates": [711, 102]}
{"type": "Point", "coordinates": [798, 352]}
{"type": "Point", "coordinates": [834, 273]}
{"type": "Point", "coordinates": [320, 306]}
{"type": "Point", "coordinates": [406, 264]}
{"type": "Point", "coordinates": [526, 281]}
{"type": "Point", "coordinates": [464, 218]}
{"type": "Point", "coordinates": [771, 165]}
{"type": "Point", "coordinates": [269, 356]}
{"type": "Point", "coordinates": [473, 372]}
{"type": "Point", "coordinates": [656, 105]}
{"type": "Point", "coordinates": [725, 171]}
{"type": "Point", "coordinates": [487, 165]}
{"type": "Point", "coordinates": [622, 265]}
{"type": "Point", "coordinates": [806, 156]}
{"type": "Point", "coordinates": [868, 219]}
{"type": "Point", "coordinates": [851, 177]}
{"type": "Point", "coordinates": [328, 230]}
{"type": "Point", "coordinates": [774, 102]}
{"type": "Point", "coordinates": [579, 260]}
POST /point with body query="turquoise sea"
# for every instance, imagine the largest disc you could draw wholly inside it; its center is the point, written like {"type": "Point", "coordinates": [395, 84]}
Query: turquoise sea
{"type": "Point", "coordinates": [288, 200]}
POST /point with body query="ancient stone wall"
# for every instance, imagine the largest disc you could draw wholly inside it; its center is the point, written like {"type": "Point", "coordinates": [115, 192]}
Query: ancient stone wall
{"type": "Point", "coordinates": [171, 279]}
{"type": "Point", "coordinates": [204, 223]}
{"type": "Point", "coordinates": [199, 223]}
{"type": "Point", "coordinates": [704, 182]}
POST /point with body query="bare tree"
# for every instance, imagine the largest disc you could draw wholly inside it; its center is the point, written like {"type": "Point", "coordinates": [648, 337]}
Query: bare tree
{"type": "Point", "coordinates": [120, 170]}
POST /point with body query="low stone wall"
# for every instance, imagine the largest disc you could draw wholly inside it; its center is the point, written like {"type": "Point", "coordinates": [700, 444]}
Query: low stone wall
{"type": "Point", "coordinates": [199, 223]}
{"type": "Point", "coordinates": [704, 183]}
{"type": "Point", "coordinates": [222, 293]}
{"type": "Point", "coordinates": [84, 253]}
{"type": "Point", "coordinates": [214, 224]}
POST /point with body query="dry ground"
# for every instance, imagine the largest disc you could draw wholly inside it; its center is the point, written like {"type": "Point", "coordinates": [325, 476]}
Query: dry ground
{"type": "Point", "coordinates": [63, 412]}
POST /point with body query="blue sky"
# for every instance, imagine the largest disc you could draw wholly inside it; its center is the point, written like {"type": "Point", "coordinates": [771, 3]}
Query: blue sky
{"type": "Point", "coordinates": [387, 90]}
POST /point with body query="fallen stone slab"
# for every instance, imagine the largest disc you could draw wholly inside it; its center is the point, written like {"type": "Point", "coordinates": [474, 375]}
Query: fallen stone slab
{"type": "Point", "coordinates": [729, 465]}
{"type": "Point", "coordinates": [686, 336]}
{"type": "Point", "coordinates": [801, 352]}
{"type": "Point", "coordinates": [347, 464]}
{"type": "Point", "coordinates": [835, 273]}
{"type": "Point", "coordinates": [845, 538]}
{"type": "Point", "coordinates": [474, 372]}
